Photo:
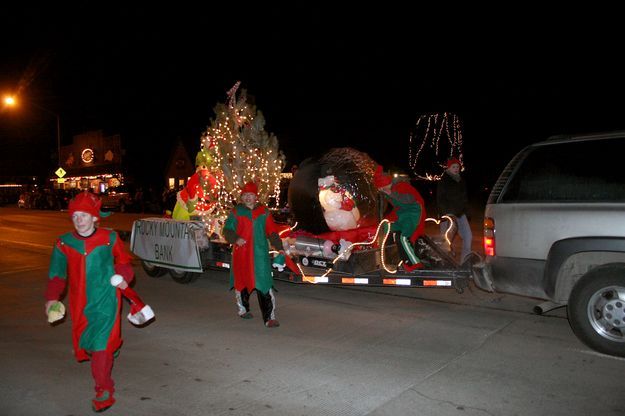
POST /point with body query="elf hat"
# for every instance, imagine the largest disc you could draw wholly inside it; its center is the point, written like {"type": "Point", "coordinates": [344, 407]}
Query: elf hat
{"type": "Point", "coordinates": [453, 161]}
{"type": "Point", "coordinates": [250, 187]}
{"type": "Point", "coordinates": [87, 202]}
{"type": "Point", "coordinates": [380, 180]}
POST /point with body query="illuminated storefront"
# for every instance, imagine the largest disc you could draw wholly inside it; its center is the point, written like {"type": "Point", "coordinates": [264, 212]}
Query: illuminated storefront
{"type": "Point", "coordinates": [93, 161]}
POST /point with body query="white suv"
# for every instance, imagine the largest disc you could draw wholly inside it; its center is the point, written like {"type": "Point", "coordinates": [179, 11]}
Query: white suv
{"type": "Point", "coordinates": [554, 229]}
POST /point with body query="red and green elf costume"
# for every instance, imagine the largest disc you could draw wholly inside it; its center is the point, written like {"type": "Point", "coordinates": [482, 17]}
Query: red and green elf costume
{"type": "Point", "coordinates": [407, 217]}
{"type": "Point", "coordinates": [87, 264]}
{"type": "Point", "coordinates": [251, 265]}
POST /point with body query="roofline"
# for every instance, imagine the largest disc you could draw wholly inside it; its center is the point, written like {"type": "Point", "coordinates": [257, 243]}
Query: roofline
{"type": "Point", "coordinates": [587, 136]}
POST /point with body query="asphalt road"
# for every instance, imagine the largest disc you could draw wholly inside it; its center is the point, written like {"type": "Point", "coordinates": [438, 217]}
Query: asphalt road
{"type": "Point", "coordinates": [339, 351]}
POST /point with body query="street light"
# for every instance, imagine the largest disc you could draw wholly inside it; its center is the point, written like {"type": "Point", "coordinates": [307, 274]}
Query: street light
{"type": "Point", "coordinates": [10, 101]}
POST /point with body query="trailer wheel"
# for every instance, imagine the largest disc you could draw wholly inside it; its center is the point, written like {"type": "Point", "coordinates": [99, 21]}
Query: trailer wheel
{"type": "Point", "coordinates": [152, 270]}
{"type": "Point", "coordinates": [596, 309]}
{"type": "Point", "coordinates": [182, 277]}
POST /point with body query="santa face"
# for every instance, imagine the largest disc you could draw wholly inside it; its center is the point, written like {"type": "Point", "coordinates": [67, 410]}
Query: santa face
{"type": "Point", "coordinates": [84, 223]}
{"type": "Point", "coordinates": [336, 215]}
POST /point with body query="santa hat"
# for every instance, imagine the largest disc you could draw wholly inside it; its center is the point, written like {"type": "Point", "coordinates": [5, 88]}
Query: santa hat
{"type": "Point", "coordinates": [453, 161]}
{"type": "Point", "coordinates": [380, 180]}
{"type": "Point", "coordinates": [87, 202]}
{"type": "Point", "coordinates": [250, 187]}
{"type": "Point", "coordinates": [140, 313]}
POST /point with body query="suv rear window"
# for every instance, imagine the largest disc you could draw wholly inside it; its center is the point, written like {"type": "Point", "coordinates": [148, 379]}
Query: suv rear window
{"type": "Point", "coordinates": [577, 171]}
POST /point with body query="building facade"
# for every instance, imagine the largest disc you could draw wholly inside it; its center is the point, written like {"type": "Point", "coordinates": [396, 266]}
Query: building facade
{"type": "Point", "coordinates": [179, 168]}
{"type": "Point", "coordinates": [93, 161]}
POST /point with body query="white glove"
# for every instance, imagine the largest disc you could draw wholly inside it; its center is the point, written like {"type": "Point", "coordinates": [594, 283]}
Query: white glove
{"type": "Point", "coordinates": [56, 312]}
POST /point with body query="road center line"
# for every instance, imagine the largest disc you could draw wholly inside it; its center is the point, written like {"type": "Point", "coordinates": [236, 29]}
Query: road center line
{"type": "Point", "coordinates": [25, 243]}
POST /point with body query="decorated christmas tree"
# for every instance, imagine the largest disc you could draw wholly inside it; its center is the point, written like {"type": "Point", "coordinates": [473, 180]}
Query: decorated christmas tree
{"type": "Point", "coordinates": [242, 151]}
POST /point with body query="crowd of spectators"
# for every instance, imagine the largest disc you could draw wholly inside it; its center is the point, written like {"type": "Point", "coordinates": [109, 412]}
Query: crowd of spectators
{"type": "Point", "coordinates": [9, 195]}
{"type": "Point", "coordinates": [37, 198]}
{"type": "Point", "coordinates": [144, 200]}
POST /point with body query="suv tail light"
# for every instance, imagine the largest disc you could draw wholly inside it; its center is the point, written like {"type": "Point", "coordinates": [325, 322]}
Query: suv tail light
{"type": "Point", "coordinates": [489, 236]}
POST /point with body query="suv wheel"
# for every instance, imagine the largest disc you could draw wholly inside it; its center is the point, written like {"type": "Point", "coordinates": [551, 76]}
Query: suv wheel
{"type": "Point", "coordinates": [596, 309]}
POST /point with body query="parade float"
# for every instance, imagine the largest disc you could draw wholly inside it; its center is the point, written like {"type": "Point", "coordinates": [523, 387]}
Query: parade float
{"type": "Point", "coordinates": [337, 232]}
{"type": "Point", "coordinates": [234, 149]}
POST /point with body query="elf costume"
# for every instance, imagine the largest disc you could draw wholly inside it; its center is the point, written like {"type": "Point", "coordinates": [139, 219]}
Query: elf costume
{"type": "Point", "coordinates": [407, 217]}
{"type": "Point", "coordinates": [87, 264]}
{"type": "Point", "coordinates": [251, 266]}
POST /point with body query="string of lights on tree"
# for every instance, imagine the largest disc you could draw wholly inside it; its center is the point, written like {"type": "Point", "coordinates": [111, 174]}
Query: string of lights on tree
{"type": "Point", "coordinates": [436, 138]}
{"type": "Point", "coordinates": [241, 151]}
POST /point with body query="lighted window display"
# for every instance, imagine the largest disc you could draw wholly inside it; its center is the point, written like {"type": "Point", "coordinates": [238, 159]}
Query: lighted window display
{"type": "Point", "coordinates": [87, 155]}
{"type": "Point", "coordinates": [113, 182]}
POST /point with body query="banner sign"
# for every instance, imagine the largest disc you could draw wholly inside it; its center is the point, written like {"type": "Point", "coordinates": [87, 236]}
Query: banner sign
{"type": "Point", "coordinates": [168, 243]}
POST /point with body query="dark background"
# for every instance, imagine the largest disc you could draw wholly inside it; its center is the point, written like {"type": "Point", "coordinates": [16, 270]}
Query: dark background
{"type": "Point", "coordinates": [323, 77]}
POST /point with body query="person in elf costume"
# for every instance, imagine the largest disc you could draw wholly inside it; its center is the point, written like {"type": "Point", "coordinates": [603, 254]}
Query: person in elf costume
{"type": "Point", "coordinates": [247, 228]}
{"type": "Point", "coordinates": [89, 258]}
{"type": "Point", "coordinates": [192, 199]}
{"type": "Point", "coordinates": [407, 218]}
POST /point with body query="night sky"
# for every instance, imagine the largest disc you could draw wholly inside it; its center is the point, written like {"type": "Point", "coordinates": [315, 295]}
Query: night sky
{"type": "Point", "coordinates": [322, 77]}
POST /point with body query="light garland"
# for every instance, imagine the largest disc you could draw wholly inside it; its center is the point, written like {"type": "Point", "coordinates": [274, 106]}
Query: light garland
{"type": "Point", "coordinates": [451, 226]}
{"type": "Point", "coordinates": [288, 229]}
{"type": "Point", "coordinates": [437, 134]}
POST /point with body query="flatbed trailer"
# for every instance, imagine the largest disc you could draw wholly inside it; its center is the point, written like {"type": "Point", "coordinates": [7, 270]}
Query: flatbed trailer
{"type": "Point", "coordinates": [421, 278]}
{"type": "Point", "coordinates": [185, 250]}
{"type": "Point", "coordinates": [368, 268]}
